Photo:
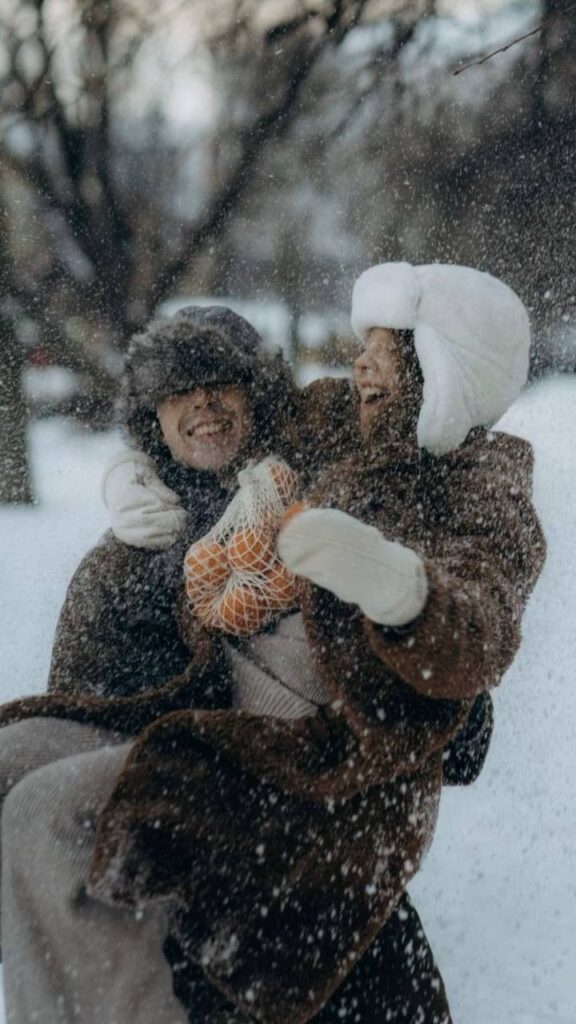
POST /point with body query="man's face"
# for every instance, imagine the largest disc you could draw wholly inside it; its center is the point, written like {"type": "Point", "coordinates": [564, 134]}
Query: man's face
{"type": "Point", "coordinates": [206, 428]}
{"type": "Point", "coordinates": [378, 375]}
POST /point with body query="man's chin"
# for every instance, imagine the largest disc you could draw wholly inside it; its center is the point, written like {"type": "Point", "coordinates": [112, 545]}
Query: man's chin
{"type": "Point", "coordinates": [211, 461]}
{"type": "Point", "coordinates": [213, 457]}
{"type": "Point", "coordinates": [208, 452]}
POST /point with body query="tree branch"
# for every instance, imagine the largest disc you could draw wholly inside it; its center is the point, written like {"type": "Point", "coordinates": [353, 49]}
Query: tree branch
{"type": "Point", "coordinates": [72, 354]}
{"type": "Point", "coordinates": [272, 123]}
{"type": "Point", "coordinates": [381, 66]}
{"type": "Point", "coordinates": [513, 42]}
{"type": "Point", "coordinates": [287, 28]}
{"type": "Point", "coordinates": [72, 143]}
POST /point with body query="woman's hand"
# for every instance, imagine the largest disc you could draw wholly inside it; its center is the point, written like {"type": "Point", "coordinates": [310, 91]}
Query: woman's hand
{"type": "Point", "coordinates": [144, 513]}
{"type": "Point", "coordinates": [356, 563]}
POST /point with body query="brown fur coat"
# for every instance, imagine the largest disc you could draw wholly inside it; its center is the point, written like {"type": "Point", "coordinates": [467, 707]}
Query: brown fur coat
{"type": "Point", "coordinates": [286, 844]}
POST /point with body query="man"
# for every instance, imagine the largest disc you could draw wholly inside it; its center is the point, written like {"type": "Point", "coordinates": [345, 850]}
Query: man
{"type": "Point", "coordinates": [200, 397]}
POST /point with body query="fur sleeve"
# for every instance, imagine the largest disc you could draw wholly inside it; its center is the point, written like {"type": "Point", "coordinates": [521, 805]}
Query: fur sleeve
{"type": "Point", "coordinates": [483, 556]}
{"type": "Point", "coordinates": [114, 638]}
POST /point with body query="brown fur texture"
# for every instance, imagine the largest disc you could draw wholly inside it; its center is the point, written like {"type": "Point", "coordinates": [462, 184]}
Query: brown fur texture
{"type": "Point", "coordinates": [395, 981]}
{"type": "Point", "coordinates": [286, 845]}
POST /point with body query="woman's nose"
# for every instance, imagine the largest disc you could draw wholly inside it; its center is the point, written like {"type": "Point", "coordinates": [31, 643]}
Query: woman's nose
{"type": "Point", "coordinates": [364, 363]}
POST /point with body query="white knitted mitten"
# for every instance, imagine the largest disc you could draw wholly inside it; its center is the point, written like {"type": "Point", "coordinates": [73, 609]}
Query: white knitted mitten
{"type": "Point", "coordinates": [356, 563]}
{"type": "Point", "coordinates": [144, 513]}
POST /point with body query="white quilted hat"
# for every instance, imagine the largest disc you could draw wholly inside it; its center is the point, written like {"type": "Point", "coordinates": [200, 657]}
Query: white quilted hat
{"type": "Point", "coordinates": [471, 335]}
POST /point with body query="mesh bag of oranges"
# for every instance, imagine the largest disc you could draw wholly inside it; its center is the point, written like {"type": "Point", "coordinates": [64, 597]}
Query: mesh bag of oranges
{"type": "Point", "coordinates": [234, 579]}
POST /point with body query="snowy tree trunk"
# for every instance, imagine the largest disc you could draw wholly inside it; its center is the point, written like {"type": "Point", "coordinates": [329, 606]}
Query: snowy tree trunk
{"type": "Point", "coordinates": [15, 479]}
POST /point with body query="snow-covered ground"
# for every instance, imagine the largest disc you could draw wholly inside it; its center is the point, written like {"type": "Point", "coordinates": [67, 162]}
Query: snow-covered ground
{"type": "Point", "coordinates": [498, 891]}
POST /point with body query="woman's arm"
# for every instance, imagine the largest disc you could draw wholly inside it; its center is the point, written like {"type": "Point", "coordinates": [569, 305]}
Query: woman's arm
{"type": "Point", "coordinates": [447, 620]}
{"type": "Point", "coordinates": [480, 574]}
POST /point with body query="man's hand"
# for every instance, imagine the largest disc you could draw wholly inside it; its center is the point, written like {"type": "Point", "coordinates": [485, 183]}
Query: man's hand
{"type": "Point", "coordinates": [143, 511]}
{"type": "Point", "coordinates": [356, 563]}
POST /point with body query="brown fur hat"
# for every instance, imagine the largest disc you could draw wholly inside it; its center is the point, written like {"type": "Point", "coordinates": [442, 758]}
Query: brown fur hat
{"type": "Point", "coordinates": [202, 346]}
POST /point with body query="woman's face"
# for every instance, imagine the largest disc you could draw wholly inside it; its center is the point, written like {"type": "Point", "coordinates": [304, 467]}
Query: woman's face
{"type": "Point", "coordinates": [379, 375]}
{"type": "Point", "coordinates": [207, 427]}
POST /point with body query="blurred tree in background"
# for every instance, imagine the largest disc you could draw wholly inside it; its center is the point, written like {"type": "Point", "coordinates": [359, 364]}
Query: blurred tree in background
{"type": "Point", "coordinates": [15, 483]}
{"type": "Point", "coordinates": [265, 147]}
{"type": "Point", "coordinates": [95, 234]}
{"type": "Point", "coordinates": [398, 157]}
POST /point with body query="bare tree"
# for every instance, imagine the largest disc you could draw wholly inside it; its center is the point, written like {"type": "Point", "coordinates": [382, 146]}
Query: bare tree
{"type": "Point", "coordinates": [15, 483]}
{"type": "Point", "coordinates": [410, 162]}
{"type": "Point", "coordinates": [99, 255]}
{"type": "Point", "coordinates": [99, 234]}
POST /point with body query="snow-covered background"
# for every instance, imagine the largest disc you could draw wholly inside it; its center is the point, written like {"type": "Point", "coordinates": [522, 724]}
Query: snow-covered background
{"type": "Point", "coordinates": [498, 892]}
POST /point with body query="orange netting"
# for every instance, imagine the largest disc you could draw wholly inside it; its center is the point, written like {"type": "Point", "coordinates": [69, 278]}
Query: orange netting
{"type": "Point", "coordinates": [234, 579]}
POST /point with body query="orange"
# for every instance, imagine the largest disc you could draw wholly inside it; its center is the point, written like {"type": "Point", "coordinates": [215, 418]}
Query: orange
{"type": "Point", "coordinates": [243, 609]}
{"type": "Point", "coordinates": [205, 568]}
{"type": "Point", "coordinates": [282, 586]}
{"type": "Point", "coordinates": [250, 550]}
{"type": "Point", "coordinates": [285, 479]}
{"type": "Point", "coordinates": [294, 510]}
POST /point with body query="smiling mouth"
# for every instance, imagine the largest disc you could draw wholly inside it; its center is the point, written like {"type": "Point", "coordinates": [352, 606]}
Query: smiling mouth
{"type": "Point", "coordinates": [209, 431]}
{"type": "Point", "coordinates": [372, 395]}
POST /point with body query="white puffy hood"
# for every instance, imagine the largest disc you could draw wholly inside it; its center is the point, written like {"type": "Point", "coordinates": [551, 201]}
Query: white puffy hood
{"type": "Point", "coordinates": [471, 335]}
